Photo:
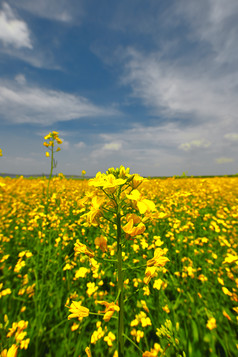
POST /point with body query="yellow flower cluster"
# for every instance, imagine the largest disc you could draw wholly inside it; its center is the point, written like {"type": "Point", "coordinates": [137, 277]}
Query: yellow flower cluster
{"type": "Point", "coordinates": [115, 183]}
{"type": "Point", "coordinates": [17, 330]}
{"type": "Point", "coordinates": [52, 137]}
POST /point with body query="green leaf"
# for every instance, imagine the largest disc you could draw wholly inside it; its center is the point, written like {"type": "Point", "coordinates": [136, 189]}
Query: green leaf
{"type": "Point", "coordinates": [195, 332]}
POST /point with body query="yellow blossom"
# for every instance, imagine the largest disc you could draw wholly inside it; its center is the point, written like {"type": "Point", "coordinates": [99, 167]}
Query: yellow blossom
{"type": "Point", "coordinates": [143, 205]}
{"type": "Point", "coordinates": [77, 310]}
{"type": "Point", "coordinates": [88, 352]}
{"type": "Point", "coordinates": [166, 309]}
{"type": "Point", "coordinates": [82, 248]}
{"type": "Point", "coordinates": [81, 273]}
{"type": "Point", "coordinates": [157, 284]}
{"type": "Point", "coordinates": [159, 259]}
{"type": "Point", "coordinates": [132, 230]}
{"type": "Point", "coordinates": [106, 182]}
{"type": "Point", "coordinates": [230, 258]}
{"type": "Point", "coordinates": [150, 272]}
{"type": "Point", "coordinates": [12, 352]}
{"type": "Point", "coordinates": [211, 323]}
{"type": "Point", "coordinates": [226, 315]}
{"type": "Point", "coordinates": [110, 308]}
{"type": "Point", "coordinates": [226, 291]}
{"type": "Point", "coordinates": [109, 338]}
{"type": "Point", "coordinates": [101, 242]}
{"type": "Point", "coordinates": [92, 288]}
{"type": "Point", "coordinates": [24, 344]}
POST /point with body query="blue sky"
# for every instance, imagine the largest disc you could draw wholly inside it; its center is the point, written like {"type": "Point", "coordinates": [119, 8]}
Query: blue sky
{"type": "Point", "coordinates": [149, 84]}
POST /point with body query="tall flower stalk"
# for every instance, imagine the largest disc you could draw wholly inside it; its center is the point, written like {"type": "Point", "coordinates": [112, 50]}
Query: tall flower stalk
{"type": "Point", "coordinates": [51, 140]}
{"type": "Point", "coordinates": [118, 201]}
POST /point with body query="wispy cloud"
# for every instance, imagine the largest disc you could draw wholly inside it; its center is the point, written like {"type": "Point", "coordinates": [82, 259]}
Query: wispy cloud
{"type": "Point", "coordinates": [79, 145]}
{"type": "Point", "coordinates": [58, 10]}
{"type": "Point", "coordinates": [173, 90]}
{"type": "Point", "coordinates": [112, 146]}
{"type": "Point", "coordinates": [213, 23]}
{"type": "Point", "coordinates": [22, 103]}
{"type": "Point", "coordinates": [231, 136]}
{"type": "Point", "coordinates": [224, 160]}
{"type": "Point", "coordinates": [194, 144]}
{"type": "Point", "coordinates": [13, 31]}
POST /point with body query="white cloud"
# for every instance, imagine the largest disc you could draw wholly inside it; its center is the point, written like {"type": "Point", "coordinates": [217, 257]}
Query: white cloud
{"type": "Point", "coordinates": [21, 79]}
{"type": "Point", "coordinates": [58, 10]}
{"type": "Point", "coordinates": [174, 90]}
{"type": "Point", "coordinates": [194, 144]}
{"type": "Point", "coordinates": [213, 22]}
{"type": "Point", "coordinates": [80, 145]}
{"type": "Point", "coordinates": [36, 105]}
{"type": "Point", "coordinates": [224, 160]}
{"type": "Point", "coordinates": [64, 145]}
{"type": "Point", "coordinates": [231, 136]}
{"type": "Point", "coordinates": [114, 146]}
{"type": "Point", "coordinates": [13, 31]}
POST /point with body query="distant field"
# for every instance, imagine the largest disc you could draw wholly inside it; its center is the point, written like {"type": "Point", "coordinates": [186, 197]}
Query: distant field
{"type": "Point", "coordinates": [192, 303]}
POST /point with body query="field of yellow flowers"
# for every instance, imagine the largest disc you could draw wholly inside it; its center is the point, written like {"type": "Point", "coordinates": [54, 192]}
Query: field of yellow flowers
{"type": "Point", "coordinates": [62, 270]}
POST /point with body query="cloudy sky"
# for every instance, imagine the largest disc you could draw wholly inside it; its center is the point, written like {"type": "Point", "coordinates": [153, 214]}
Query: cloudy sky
{"type": "Point", "coordinates": [150, 84]}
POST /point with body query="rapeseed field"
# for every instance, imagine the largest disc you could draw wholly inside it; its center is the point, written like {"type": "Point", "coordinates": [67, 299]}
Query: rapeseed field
{"type": "Point", "coordinates": [118, 266]}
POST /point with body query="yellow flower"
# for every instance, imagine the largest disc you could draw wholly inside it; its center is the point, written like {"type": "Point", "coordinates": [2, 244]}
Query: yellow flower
{"type": "Point", "coordinates": [24, 344]}
{"type": "Point", "coordinates": [138, 334]}
{"type": "Point", "coordinates": [157, 284]}
{"type": "Point", "coordinates": [166, 309]}
{"type": "Point", "coordinates": [226, 291]}
{"type": "Point", "coordinates": [106, 181]}
{"type": "Point", "coordinates": [12, 352]}
{"type": "Point", "coordinates": [92, 288]}
{"type": "Point", "coordinates": [83, 172]}
{"type": "Point", "coordinates": [47, 154]}
{"type": "Point", "coordinates": [132, 230]}
{"type": "Point", "coordinates": [150, 273]}
{"type": "Point", "coordinates": [226, 315]}
{"type": "Point", "coordinates": [230, 258]}
{"type": "Point", "coordinates": [159, 260]}
{"type": "Point", "coordinates": [143, 204]}
{"type": "Point", "coordinates": [211, 323]}
{"type": "Point", "coordinates": [153, 352]}
{"type": "Point", "coordinates": [109, 338]}
{"type": "Point", "coordinates": [95, 211]}
{"type": "Point", "coordinates": [110, 308]}
{"type": "Point", "coordinates": [77, 310]}
{"type": "Point", "coordinates": [136, 181]}
{"type": "Point", "coordinates": [101, 242]}
{"type": "Point", "coordinates": [88, 352]}
{"type": "Point", "coordinates": [149, 354]}
{"type": "Point", "coordinates": [0, 152]}
{"type": "Point", "coordinates": [82, 248]}
{"type": "Point", "coordinates": [81, 273]}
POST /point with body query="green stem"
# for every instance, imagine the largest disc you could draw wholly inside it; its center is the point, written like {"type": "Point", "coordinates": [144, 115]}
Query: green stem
{"type": "Point", "coordinates": [120, 288]}
{"type": "Point", "coordinates": [51, 170]}
{"type": "Point", "coordinates": [129, 339]}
